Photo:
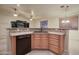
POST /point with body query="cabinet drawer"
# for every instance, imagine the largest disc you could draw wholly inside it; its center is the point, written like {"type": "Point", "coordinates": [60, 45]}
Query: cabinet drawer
{"type": "Point", "coordinates": [44, 38]}
{"type": "Point", "coordinates": [44, 35]}
{"type": "Point", "coordinates": [35, 35]}
{"type": "Point", "coordinates": [52, 39]}
{"type": "Point", "coordinates": [56, 43]}
{"type": "Point", "coordinates": [54, 36]}
{"type": "Point", "coordinates": [54, 48]}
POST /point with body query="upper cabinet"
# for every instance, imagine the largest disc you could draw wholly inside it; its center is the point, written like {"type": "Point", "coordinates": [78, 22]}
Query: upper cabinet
{"type": "Point", "coordinates": [72, 25]}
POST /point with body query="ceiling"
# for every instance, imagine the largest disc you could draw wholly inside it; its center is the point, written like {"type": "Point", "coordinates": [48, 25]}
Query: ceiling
{"type": "Point", "coordinates": [42, 10]}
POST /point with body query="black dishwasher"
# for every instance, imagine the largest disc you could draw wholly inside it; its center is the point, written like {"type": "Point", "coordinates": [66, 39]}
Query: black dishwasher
{"type": "Point", "coordinates": [23, 44]}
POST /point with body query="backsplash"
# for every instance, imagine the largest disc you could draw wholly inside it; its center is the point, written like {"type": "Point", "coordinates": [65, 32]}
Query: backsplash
{"type": "Point", "coordinates": [35, 29]}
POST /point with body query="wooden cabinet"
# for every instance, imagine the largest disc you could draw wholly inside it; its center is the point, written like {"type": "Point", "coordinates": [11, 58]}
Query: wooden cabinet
{"type": "Point", "coordinates": [13, 45]}
{"type": "Point", "coordinates": [56, 43]}
{"type": "Point", "coordinates": [53, 42]}
{"type": "Point", "coordinates": [54, 48]}
{"type": "Point", "coordinates": [44, 41]}
{"type": "Point", "coordinates": [35, 41]}
{"type": "Point", "coordinates": [39, 41]}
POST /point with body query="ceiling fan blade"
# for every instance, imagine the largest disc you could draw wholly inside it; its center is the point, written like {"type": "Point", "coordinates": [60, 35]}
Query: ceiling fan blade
{"type": "Point", "coordinates": [32, 12]}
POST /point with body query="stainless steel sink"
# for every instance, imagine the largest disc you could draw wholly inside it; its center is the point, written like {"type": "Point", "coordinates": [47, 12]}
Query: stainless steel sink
{"type": "Point", "coordinates": [40, 31]}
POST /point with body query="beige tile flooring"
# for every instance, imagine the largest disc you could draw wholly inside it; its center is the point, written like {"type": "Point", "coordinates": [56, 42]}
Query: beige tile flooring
{"type": "Point", "coordinates": [43, 52]}
{"type": "Point", "coordinates": [40, 52]}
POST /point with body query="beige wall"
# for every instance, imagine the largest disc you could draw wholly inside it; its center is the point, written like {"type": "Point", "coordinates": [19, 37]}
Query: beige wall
{"type": "Point", "coordinates": [73, 42]}
{"type": "Point", "coordinates": [5, 22]}
{"type": "Point", "coordinates": [52, 23]}
{"type": "Point", "coordinates": [32, 24]}
{"type": "Point", "coordinates": [5, 19]}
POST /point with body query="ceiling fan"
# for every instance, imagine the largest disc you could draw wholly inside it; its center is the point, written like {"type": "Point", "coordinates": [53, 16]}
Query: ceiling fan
{"type": "Point", "coordinates": [33, 16]}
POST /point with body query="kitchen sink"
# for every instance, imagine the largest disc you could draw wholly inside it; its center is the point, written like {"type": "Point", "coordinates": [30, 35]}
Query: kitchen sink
{"type": "Point", "coordinates": [40, 31]}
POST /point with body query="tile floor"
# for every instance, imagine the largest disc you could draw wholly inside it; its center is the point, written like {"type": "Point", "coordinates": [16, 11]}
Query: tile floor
{"type": "Point", "coordinates": [43, 52]}
{"type": "Point", "coordinates": [40, 52]}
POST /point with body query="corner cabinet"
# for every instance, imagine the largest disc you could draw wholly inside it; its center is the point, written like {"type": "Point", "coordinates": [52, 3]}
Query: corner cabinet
{"type": "Point", "coordinates": [56, 43]}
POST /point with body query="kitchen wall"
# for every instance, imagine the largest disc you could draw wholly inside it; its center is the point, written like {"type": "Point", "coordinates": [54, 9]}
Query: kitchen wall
{"type": "Point", "coordinates": [5, 18]}
{"type": "Point", "coordinates": [52, 22]}
{"type": "Point", "coordinates": [35, 23]}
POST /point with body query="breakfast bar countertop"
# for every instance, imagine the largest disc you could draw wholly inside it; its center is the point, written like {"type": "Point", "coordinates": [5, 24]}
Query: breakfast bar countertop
{"type": "Point", "coordinates": [19, 33]}
{"type": "Point", "coordinates": [58, 33]}
{"type": "Point", "coordinates": [30, 32]}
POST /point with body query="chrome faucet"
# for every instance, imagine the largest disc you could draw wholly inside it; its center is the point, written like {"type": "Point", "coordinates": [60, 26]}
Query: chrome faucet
{"type": "Point", "coordinates": [41, 29]}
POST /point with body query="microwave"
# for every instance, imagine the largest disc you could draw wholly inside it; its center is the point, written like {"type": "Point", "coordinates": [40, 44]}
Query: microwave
{"type": "Point", "coordinates": [19, 24]}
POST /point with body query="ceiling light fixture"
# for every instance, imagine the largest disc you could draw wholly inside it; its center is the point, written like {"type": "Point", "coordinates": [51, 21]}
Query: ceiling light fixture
{"type": "Point", "coordinates": [31, 16]}
{"type": "Point", "coordinates": [65, 20]}
{"type": "Point", "coordinates": [15, 14]}
{"type": "Point", "coordinates": [31, 19]}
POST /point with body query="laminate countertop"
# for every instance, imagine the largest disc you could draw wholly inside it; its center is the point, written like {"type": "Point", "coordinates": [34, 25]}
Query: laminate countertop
{"type": "Point", "coordinates": [24, 33]}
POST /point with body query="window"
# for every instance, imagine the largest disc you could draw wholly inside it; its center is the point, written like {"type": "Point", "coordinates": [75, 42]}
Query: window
{"type": "Point", "coordinates": [44, 24]}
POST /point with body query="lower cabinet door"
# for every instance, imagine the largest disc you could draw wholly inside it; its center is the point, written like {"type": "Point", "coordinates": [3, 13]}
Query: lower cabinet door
{"type": "Point", "coordinates": [54, 42]}
{"type": "Point", "coordinates": [54, 48]}
{"type": "Point", "coordinates": [44, 46]}
{"type": "Point", "coordinates": [36, 44]}
{"type": "Point", "coordinates": [13, 45]}
{"type": "Point", "coordinates": [44, 43]}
